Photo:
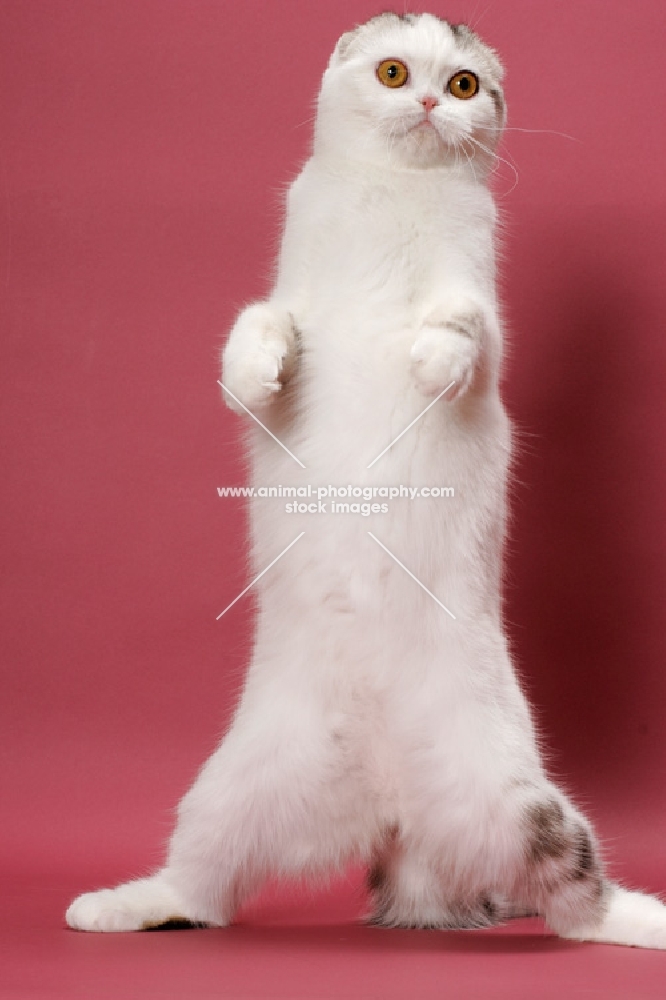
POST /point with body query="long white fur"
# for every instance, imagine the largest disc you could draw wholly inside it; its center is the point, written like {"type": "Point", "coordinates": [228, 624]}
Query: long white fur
{"type": "Point", "coordinates": [373, 726]}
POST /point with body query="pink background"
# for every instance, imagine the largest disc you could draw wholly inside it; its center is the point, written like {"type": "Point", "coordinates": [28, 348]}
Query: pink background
{"type": "Point", "coordinates": [143, 149]}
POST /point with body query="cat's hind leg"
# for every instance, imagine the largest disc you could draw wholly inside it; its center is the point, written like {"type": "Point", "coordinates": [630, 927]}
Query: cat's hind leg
{"type": "Point", "coordinates": [563, 875]}
{"type": "Point", "coordinates": [540, 857]}
{"type": "Point", "coordinates": [280, 796]}
{"type": "Point", "coordinates": [484, 835]}
{"type": "Point", "coordinates": [408, 889]}
{"type": "Point", "coordinates": [525, 851]}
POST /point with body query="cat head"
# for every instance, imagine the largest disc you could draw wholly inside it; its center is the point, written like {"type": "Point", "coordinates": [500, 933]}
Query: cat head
{"type": "Point", "coordinates": [412, 91]}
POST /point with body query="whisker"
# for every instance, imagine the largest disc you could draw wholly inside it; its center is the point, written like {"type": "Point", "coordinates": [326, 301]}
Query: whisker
{"type": "Point", "coordinates": [501, 159]}
{"type": "Point", "coordinates": [308, 121]}
{"type": "Point", "coordinates": [542, 131]}
{"type": "Point", "coordinates": [456, 151]}
{"type": "Point", "coordinates": [469, 160]}
{"type": "Point", "coordinates": [474, 20]}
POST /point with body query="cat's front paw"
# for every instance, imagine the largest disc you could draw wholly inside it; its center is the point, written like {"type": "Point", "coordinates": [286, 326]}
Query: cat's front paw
{"type": "Point", "coordinates": [258, 358]}
{"type": "Point", "coordinates": [441, 356]}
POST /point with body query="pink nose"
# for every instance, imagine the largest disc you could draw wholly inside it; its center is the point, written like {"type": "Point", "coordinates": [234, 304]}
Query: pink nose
{"type": "Point", "coordinates": [429, 103]}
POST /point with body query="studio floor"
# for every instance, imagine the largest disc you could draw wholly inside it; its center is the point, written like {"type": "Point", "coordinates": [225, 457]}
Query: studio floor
{"type": "Point", "coordinates": [308, 947]}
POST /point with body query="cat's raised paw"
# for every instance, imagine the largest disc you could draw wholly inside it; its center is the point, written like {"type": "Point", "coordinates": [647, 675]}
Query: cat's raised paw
{"type": "Point", "coordinates": [258, 358]}
{"type": "Point", "coordinates": [441, 356]}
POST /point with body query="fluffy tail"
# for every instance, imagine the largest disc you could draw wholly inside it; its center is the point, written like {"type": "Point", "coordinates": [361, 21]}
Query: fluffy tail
{"type": "Point", "coordinates": [630, 918]}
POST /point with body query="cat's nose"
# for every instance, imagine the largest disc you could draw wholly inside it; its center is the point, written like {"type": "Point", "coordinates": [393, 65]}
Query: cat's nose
{"type": "Point", "coordinates": [429, 103]}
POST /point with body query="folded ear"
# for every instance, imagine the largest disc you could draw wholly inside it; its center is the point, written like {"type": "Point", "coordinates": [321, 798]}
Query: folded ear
{"type": "Point", "coordinates": [469, 38]}
{"type": "Point", "coordinates": [494, 60]}
{"type": "Point", "coordinates": [341, 50]}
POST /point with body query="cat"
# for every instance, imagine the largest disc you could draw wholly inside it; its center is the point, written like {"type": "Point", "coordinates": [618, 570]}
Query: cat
{"type": "Point", "coordinates": [381, 720]}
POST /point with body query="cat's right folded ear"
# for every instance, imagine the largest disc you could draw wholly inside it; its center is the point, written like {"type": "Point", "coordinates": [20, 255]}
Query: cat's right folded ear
{"type": "Point", "coordinates": [341, 50]}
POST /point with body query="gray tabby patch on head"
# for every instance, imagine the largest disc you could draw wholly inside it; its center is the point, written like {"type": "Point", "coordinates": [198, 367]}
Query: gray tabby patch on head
{"type": "Point", "coordinates": [466, 38]}
{"type": "Point", "coordinates": [469, 40]}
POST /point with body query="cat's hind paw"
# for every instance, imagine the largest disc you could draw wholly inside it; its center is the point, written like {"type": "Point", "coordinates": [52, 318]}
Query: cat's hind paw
{"type": "Point", "coordinates": [134, 906]}
{"type": "Point", "coordinates": [631, 918]}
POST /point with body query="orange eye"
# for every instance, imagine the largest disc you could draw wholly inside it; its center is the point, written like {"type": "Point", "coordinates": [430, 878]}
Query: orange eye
{"type": "Point", "coordinates": [464, 85]}
{"type": "Point", "coordinates": [392, 73]}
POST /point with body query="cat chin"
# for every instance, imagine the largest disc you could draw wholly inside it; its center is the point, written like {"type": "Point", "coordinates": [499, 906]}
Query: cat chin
{"type": "Point", "coordinates": [427, 135]}
{"type": "Point", "coordinates": [433, 143]}
{"type": "Point", "coordinates": [427, 149]}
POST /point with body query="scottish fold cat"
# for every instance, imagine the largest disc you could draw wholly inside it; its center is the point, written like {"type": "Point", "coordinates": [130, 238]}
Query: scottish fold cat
{"type": "Point", "coordinates": [381, 720]}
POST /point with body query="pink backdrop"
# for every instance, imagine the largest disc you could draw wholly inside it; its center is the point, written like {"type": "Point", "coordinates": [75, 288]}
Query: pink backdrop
{"type": "Point", "coordinates": [143, 149]}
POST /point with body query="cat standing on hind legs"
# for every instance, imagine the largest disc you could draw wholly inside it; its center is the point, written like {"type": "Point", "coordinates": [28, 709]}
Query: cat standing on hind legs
{"type": "Point", "coordinates": [374, 726]}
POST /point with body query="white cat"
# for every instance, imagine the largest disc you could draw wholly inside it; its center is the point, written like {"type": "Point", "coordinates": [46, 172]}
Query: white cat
{"type": "Point", "coordinates": [374, 726]}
